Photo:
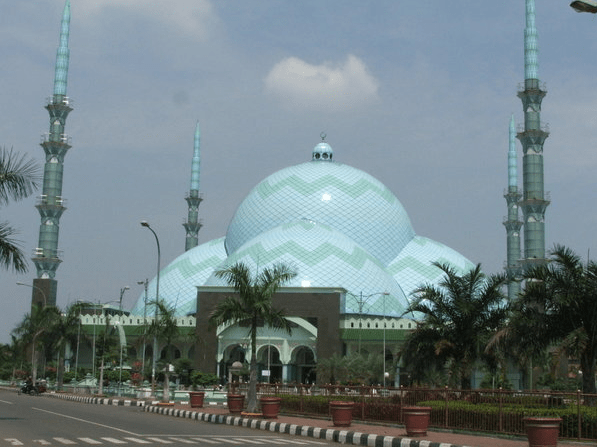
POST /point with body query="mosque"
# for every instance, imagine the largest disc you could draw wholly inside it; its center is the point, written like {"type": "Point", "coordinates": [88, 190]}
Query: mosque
{"type": "Point", "coordinates": [357, 257]}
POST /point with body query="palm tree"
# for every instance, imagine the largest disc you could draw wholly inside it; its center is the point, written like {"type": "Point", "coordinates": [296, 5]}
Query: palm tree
{"type": "Point", "coordinates": [459, 316]}
{"type": "Point", "coordinates": [18, 179]}
{"type": "Point", "coordinates": [31, 329]}
{"type": "Point", "coordinates": [253, 306]}
{"type": "Point", "coordinates": [558, 308]}
{"type": "Point", "coordinates": [64, 333]}
{"type": "Point", "coordinates": [165, 329]}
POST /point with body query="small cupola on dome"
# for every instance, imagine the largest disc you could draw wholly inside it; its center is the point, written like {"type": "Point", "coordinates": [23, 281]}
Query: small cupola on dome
{"type": "Point", "coordinates": [323, 151]}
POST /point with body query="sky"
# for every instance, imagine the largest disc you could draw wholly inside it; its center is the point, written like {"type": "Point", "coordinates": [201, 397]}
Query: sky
{"type": "Point", "coordinates": [418, 94]}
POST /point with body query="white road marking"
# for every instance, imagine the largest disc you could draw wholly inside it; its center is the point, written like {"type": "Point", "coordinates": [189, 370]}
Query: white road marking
{"type": "Point", "coordinates": [89, 440]}
{"type": "Point", "coordinates": [88, 422]}
{"type": "Point", "coordinates": [231, 441]}
{"type": "Point", "coordinates": [160, 440]}
{"type": "Point", "coordinates": [114, 441]}
{"type": "Point", "coordinates": [13, 441]}
{"type": "Point", "coordinates": [208, 441]}
{"type": "Point", "coordinates": [138, 441]}
{"type": "Point", "coordinates": [7, 402]}
{"type": "Point", "coordinates": [292, 441]}
{"type": "Point", "coordinates": [184, 441]}
{"type": "Point", "coordinates": [64, 441]}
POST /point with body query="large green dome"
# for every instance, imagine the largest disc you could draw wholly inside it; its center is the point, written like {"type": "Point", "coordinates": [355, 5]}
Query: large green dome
{"type": "Point", "coordinates": [345, 198]}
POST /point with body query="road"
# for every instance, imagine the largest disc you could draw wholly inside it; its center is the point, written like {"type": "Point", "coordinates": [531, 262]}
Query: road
{"type": "Point", "coordinates": [37, 420]}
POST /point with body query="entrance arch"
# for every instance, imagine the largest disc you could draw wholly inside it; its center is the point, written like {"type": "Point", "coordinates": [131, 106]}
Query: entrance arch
{"type": "Point", "coordinates": [303, 365]}
{"type": "Point", "coordinates": [268, 359]}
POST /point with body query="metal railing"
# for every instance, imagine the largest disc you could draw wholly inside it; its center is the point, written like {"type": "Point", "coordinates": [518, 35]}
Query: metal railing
{"type": "Point", "coordinates": [497, 411]}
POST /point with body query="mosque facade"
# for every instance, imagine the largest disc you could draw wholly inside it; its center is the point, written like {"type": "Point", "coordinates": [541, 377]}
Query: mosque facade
{"type": "Point", "coordinates": [356, 255]}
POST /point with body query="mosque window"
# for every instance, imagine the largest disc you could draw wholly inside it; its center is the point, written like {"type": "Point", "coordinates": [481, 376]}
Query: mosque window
{"type": "Point", "coordinates": [409, 325]}
{"type": "Point", "coordinates": [351, 324]}
{"type": "Point", "coordinates": [368, 325]}
{"type": "Point", "coordinates": [376, 325]}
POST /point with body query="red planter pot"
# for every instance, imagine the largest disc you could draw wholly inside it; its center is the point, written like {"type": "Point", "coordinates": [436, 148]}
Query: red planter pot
{"type": "Point", "coordinates": [542, 431]}
{"type": "Point", "coordinates": [236, 403]}
{"type": "Point", "coordinates": [341, 412]}
{"type": "Point", "coordinates": [416, 420]}
{"type": "Point", "coordinates": [270, 406]}
{"type": "Point", "coordinates": [196, 399]}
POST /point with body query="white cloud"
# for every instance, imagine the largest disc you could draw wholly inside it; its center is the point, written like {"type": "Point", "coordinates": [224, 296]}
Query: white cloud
{"type": "Point", "coordinates": [190, 17]}
{"type": "Point", "coordinates": [300, 84]}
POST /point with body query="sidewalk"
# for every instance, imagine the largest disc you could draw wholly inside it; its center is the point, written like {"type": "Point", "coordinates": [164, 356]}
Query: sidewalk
{"type": "Point", "coordinates": [356, 434]}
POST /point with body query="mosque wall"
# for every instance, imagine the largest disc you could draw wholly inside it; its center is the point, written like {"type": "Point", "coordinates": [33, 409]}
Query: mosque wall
{"type": "Point", "coordinates": [322, 309]}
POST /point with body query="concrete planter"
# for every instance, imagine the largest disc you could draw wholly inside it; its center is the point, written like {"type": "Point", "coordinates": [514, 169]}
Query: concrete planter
{"type": "Point", "coordinates": [542, 431]}
{"type": "Point", "coordinates": [236, 403]}
{"type": "Point", "coordinates": [270, 406]}
{"type": "Point", "coordinates": [196, 399]}
{"type": "Point", "coordinates": [341, 412]}
{"type": "Point", "coordinates": [416, 420]}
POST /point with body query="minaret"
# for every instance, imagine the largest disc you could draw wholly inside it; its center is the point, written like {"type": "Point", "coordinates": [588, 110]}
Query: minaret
{"type": "Point", "coordinates": [513, 223]}
{"type": "Point", "coordinates": [192, 225]}
{"type": "Point", "coordinates": [533, 136]}
{"type": "Point", "coordinates": [51, 204]}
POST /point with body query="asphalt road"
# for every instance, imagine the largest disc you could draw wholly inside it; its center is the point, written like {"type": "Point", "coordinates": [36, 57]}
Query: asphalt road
{"type": "Point", "coordinates": [35, 420]}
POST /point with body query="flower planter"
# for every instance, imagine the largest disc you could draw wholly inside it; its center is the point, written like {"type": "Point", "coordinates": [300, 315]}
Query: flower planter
{"type": "Point", "coordinates": [416, 420]}
{"type": "Point", "coordinates": [341, 412]}
{"type": "Point", "coordinates": [236, 402]}
{"type": "Point", "coordinates": [196, 398]}
{"type": "Point", "coordinates": [270, 406]}
{"type": "Point", "coordinates": [542, 431]}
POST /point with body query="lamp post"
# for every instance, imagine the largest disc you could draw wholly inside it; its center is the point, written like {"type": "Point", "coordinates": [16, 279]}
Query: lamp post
{"type": "Point", "coordinates": [361, 300]}
{"type": "Point", "coordinates": [144, 223]}
{"type": "Point", "coordinates": [38, 332]}
{"type": "Point", "coordinates": [124, 289]}
{"type": "Point", "coordinates": [584, 6]}
{"type": "Point", "coordinates": [35, 287]}
{"type": "Point", "coordinates": [145, 283]}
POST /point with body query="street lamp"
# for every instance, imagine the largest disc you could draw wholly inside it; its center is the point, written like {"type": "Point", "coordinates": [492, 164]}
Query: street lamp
{"type": "Point", "coordinates": [361, 300]}
{"type": "Point", "coordinates": [145, 283]}
{"type": "Point", "coordinates": [584, 6]}
{"type": "Point", "coordinates": [124, 289]}
{"type": "Point", "coordinates": [35, 287]}
{"type": "Point", "coordinates": [144, 223]}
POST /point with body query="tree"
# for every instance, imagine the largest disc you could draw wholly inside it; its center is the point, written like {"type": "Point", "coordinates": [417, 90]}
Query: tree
{"type": "Point", "coordinates": [459, 316]}
{"type": "Point", "coordinates": [36, 323]}
{"type": "Point", "coordinates": [19, 177]}
{"type": "Point", "coordinates": [165, 329]}
{"type": "Point", "coordinates": [252, 306]}
{"type": "Point", "coordinates": [558, 309]}
{"type": "Point", "coordinates": [63, 332]}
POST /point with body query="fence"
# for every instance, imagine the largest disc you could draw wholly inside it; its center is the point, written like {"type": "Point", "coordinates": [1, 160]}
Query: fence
{"type": "Point", "coordinates": [498, 411]}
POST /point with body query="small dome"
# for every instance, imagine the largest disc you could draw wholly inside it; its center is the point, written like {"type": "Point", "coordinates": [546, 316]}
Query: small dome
{"type": "Point", "coordinates": [179, 280]}
{"type": "Point", "coordinates": [322, 152]}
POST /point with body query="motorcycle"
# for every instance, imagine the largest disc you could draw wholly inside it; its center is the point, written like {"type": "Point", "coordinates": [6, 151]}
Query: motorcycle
{"type": "Point", "coordinates": [29, 388]}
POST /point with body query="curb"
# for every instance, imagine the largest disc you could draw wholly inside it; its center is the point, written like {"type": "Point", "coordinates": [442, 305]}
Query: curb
{"type": "Point", "coordinates": [341, 436]}
{"type": "Point", "coordinates": [98, 400]}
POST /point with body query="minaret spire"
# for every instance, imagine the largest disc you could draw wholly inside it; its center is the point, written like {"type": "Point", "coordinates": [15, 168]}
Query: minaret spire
{"type": "Point", "coordinates": [51, 203]}
{"type": "Point", "coordinates": [534, 201]}
{"type": "Point", "coordinates": [63, 54]}
{"type": "Point", "coordinates": [513, 223]}
{"type": "Point", "coordinates": [192, 225]}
